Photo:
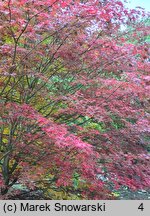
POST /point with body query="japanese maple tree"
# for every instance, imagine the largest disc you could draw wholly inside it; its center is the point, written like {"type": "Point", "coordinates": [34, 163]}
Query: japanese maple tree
{"type": "Point", "coordinates": [74, 96]}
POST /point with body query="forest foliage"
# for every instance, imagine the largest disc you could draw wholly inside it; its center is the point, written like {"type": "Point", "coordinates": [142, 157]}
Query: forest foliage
{"type": "Point", "coordinates": [74, 97]}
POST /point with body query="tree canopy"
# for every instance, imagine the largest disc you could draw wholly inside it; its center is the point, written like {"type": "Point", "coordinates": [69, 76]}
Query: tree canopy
{"type": "Point", "coordinates": [74, 97]}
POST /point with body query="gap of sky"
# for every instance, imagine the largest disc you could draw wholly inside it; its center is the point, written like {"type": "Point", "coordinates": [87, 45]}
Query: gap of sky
{"type": "Point", "coordinates": [142, 3]}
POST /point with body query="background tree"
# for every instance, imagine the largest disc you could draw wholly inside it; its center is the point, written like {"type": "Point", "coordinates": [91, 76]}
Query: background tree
{"type": "Point", "coordinates": [74, 96]}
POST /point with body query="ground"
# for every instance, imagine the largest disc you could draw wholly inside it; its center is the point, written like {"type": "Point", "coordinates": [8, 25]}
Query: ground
{"type": "Point", "coordinates": [123, 194]}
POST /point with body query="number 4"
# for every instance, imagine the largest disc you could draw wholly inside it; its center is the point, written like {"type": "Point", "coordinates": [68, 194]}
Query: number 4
{"type": "Point", "coordinates": [141, 207]}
